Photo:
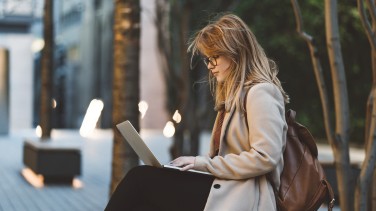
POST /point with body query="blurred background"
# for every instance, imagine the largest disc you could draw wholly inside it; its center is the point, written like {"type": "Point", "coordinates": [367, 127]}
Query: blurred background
{"type": "Point", "coordinates": [83, 58]}
{"type": "Point", "coordinates": [173, 99]}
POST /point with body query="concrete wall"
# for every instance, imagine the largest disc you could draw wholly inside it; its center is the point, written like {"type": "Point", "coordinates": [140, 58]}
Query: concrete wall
{"type": "Point", "coordinates": [4, 91]}
{"type": "Point", "coordinates": [20, 79]}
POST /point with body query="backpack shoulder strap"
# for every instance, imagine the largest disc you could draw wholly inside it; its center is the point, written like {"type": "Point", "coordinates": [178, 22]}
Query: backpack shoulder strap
{"type": "Point", "coordinates": [330, 194]}
{"type": "Point", "coordinates": [300, 131]}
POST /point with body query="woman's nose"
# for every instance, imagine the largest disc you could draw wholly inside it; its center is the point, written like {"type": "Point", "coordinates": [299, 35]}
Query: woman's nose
{"type": "Point", "coordinates": [210, 66]}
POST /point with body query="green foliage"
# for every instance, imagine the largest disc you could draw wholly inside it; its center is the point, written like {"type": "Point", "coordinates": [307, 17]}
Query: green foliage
{"type": "Point", "coordinates": [274, 24]}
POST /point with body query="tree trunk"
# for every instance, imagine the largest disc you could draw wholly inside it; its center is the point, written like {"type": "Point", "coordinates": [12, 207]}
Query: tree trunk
{"type": "Point", "coordinates": [126, 88]}
{"type": "Point", "coordinates": [372, 152]}
{"type": "Point", "coordinates": [194, 117]}
{"type": "Point", "coordinates": [47, 71]}
{"type": "Point", "coordinates": [363, 189]}
{"type": "Point", "coordinates": [166, 29]}
{"type": "Point", "coordinates": [340, 146]}
{"type": "Point", "coordinates": [365, 178]}
{"type": "Point", "coordinates": [180, 11]}
{"type": "Point", "coordinates": [162, 23]}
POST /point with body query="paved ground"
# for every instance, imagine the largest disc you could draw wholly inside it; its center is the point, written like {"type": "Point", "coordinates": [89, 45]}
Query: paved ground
{"type": "Point", "coordinates": [18, 195]}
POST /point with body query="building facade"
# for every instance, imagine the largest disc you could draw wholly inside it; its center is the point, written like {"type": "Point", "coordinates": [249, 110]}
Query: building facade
{"type": "Point", "coordinates": [83, 63]}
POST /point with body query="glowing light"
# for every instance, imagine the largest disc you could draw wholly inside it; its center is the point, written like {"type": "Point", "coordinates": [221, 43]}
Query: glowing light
{"type": "Point", "coordinates": [176, 117]}
{"type": "Point", "coordinates": [54, 103]}
{"type": "Point", "coordinates": [91, 117]}
{"type": "Point", "coordinates": [169, 129]}
{"type": "Point", "coordinates": [38, 131]}
{"type": "Point", "coordinates": [143, 107]}
{"type": "Point", "coordinates": [125, 24]}
{"type": "Point", "coordinates": [37, 45]}
{"type": "Point", "coordinates": [35, 180]}
{"type": "Point", "coordinates": [76, 183]}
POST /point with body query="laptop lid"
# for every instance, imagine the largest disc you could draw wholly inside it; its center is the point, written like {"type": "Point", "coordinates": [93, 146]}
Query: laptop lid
{"type": "Point", "coordinates": [134, 139]}
{"type": "Point", "coordinates": [142, 150]}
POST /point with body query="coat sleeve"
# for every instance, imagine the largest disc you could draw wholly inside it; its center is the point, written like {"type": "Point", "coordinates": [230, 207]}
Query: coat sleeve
{"type": "Point", "coordinates": [266, 124]}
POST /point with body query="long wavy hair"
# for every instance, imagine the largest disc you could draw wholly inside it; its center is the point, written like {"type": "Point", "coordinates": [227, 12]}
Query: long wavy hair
{"type": "Point", "coordinates": [229, 36]}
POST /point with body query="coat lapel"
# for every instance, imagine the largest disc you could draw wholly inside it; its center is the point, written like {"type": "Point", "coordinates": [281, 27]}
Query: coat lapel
{"type": "Point", "coordinates": [225, 124]}
{"type": "Point", "coordinates": [212, 150]}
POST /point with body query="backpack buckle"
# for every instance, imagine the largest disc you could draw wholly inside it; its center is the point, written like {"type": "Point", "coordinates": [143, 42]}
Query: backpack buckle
{"type": "Point", "coordinates": [331, 203]}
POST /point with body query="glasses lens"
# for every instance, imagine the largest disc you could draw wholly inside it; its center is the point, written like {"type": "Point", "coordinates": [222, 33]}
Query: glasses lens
{"type": "Point", "coordinates": [213, 61]}
{"type": "Point", "coordinates": [210, 60]}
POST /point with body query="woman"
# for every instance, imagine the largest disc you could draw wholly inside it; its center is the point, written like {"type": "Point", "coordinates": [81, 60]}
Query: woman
{"type": "Point", "coordinates": [247, 141]}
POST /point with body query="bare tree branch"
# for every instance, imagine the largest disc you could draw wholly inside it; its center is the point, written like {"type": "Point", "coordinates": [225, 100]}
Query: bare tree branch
{"type": "Point", "coordinates": [342, 122]}
{"type": "Point", "coordinates": [338, 141]}
{"type": "Point", "coordinates": [317, 70]}
{"type": "Point", "coordinates": [162, 20]}
{"type": "Point", "coordinates": [371, 38]}
{"type": "Point", "coordinates": [298, 17]}
{"type": "Point", "coordinates": [372, 9]}
{"type": "Point", "coordinates": [367, 171]}
{"type": "Point", "coordinates": [367, 26]}
{"type": "Point", "coordinates": [368, 166]}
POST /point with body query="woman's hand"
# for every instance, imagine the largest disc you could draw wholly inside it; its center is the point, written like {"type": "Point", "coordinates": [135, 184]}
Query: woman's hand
{"type": "Point", "coordinates": [186, 162]}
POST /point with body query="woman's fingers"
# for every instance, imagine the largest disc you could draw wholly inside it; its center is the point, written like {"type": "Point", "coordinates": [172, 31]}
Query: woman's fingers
{"type": "Point", "coordinates": [186, 162]}
{"type": "Point", "coordinates": [180, 161]}
{"type": "Point", "coordinates": [187, 167]}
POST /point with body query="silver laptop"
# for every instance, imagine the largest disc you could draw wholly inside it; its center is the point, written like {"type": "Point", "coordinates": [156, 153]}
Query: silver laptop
{"type": "Point", "coordinates": [142, 150]}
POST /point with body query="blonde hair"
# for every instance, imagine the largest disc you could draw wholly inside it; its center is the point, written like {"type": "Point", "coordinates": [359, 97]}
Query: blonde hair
{"type": "Point", "coordinates": [229, 36]}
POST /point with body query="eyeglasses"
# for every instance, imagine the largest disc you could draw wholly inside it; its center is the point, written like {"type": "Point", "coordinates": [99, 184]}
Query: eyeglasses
{"type": "Point", "coordinates": [211, 59]}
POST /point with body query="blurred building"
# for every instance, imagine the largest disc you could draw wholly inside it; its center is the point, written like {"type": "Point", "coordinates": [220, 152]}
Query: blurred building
{"type": "Point", "coordinates": [83, 62]}
{"type": "Point", "coordinates": [84, 44]}
{"type": "Point", "coordinates": [16, 26]}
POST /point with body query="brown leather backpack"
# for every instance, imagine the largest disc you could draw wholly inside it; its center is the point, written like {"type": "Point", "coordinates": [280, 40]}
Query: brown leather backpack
{"type": "Point", "coordinates": [303, 185]}
{"type": "Point", "coordinates": [303, 182]}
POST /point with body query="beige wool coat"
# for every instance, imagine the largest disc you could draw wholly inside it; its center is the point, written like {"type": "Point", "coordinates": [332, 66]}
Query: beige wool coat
{"type": "Point", "coordinates": [247, 153]}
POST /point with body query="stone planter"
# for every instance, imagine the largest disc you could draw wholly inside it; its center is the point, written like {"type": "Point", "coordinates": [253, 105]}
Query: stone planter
{"type": "Point", "coordinates": [57, 161]}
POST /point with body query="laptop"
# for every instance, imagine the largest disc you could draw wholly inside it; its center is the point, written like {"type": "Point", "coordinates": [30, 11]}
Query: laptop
{"type": "Point", "coordinates": [142, 150]}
